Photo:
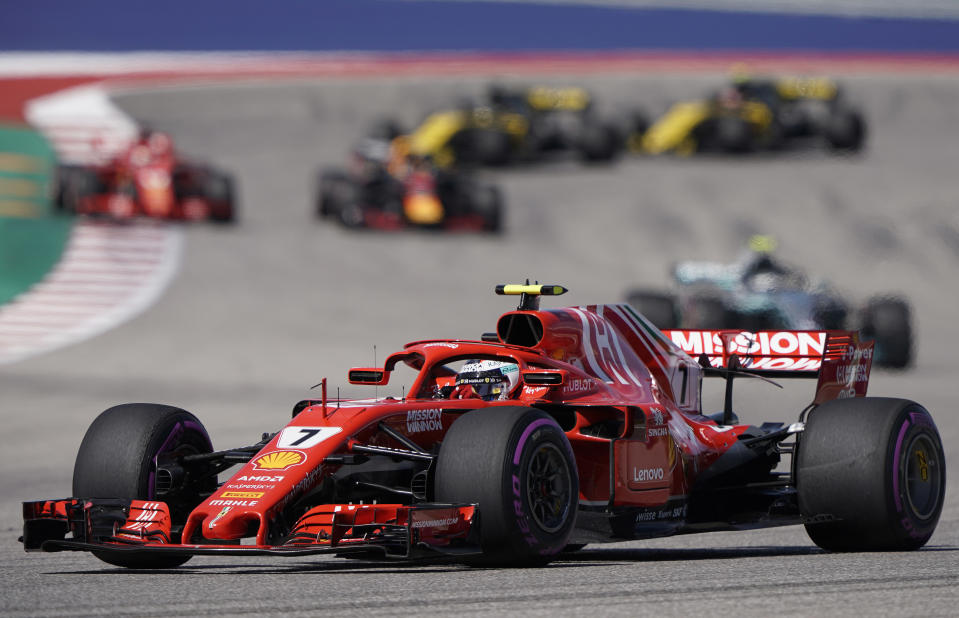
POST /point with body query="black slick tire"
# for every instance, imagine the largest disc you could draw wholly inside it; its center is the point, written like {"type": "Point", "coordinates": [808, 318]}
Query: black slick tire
{"type": "Point", "coordinates": [517, 465]}
{"type": "Point", "coordinates": [887, 320]}
{"type": "Point", "coordinates": [846, 131]}
{"type": "Point", "coordinates": [220, 190]}
{"type": "Point", "coordinates": [488, 201]}
{"type": "Point", "coordinates": [705, 312]}
{"type": "Point", "coordinates": [73, 184]}
{"type": "Point", "coordinates": [660, 308]}
{"type": "Point", "coordinates": [117, 459]}
{"type": "Point", "coordinates": [871, 475]}
{"type": "Point", "coordinates": [334, 191]}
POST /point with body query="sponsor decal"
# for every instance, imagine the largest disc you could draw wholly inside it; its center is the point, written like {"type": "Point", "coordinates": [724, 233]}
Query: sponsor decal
{"type": "Point", "coordinates": [307, 482]}
{"type": "Point", "coordinates": [641, 475]}
{"type": "Point", "coordinates": [279, 460]}
{"type": "Point", "coordinates": [852, 366]}
{"type": "Point", "coordinates": [424, 420]}
{"type": "Point", "coordinates": [431, 523]}
{"type": "Point", "coordinates": [656, 418]}
{"type": "Point", "coordinates": [534, 391]}
{"type": "Point", "coordinates": [437, 344]}
{"type": "Point", "coordinates": [577, 386]}
{"type": "Point", "coordinates": [305, 437]}
{"type": "Point", "coordinates": [247, 486]}
{"type": "Point", "coordinates": [657, 415]}
{"type": "Point", "coordinates": [763, 343]}
{"type": "Point", "coordinates": [222, 512]}
{"type": "Point", "coordinates": [260, 479]}
{"type": "Point", "coordinates": [673, 513]}
{"type": "Point", "coordinates": [242, 494]}
{"type": "Point", "coordinates": [233, 502]}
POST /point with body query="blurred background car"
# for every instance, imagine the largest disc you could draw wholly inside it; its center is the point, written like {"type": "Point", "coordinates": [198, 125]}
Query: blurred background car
{"type": "Point", "coordinates": [751, 114]}
{"type": "Point", "coordinates": [147, 179]}
{"type": "Point", "coordinates": [389, 189]}
{"type": "Point", "coordinates": [759, 292]}
{"type": "Point", "coordinates": [514, 124]}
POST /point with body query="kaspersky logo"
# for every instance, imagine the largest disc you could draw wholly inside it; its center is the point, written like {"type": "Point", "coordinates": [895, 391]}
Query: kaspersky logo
{"type": "Point", "coordinates": [279, 460]}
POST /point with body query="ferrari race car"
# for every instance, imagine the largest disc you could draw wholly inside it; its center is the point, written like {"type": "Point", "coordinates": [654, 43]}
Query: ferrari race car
{"type": "Point", "coordinates": [514, 125]}
{"type": "Point", "coordinates": [147, 180]}
{"type": "Point", "coordinates": [565, 426]}
{"type": "Point", "coordinates": [758, 292]}
{"type": "Point", "coordinates": [389, 191]}
{"type": "Point", "coordinates": [758, 114]}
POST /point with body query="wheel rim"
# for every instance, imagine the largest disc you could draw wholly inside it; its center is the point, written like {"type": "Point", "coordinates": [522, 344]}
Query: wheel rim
{"type": "Point", "coordinates": [923, 476]}
{"type": "Point", "coordinates": [548, 487]}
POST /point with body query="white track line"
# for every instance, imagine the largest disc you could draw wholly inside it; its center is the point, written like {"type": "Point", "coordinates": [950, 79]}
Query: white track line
{"type": "Point", "coordinates": [93, 288]}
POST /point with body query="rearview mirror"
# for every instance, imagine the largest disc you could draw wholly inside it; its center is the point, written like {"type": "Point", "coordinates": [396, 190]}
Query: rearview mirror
{"type": "Point", "coordinates": [544, 378]}
{"type": "Point", "coordinates": [364, 375]}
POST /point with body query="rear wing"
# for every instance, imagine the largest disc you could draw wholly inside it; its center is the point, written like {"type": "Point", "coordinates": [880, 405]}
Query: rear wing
{"type": "Point", "coordinates": [839, 360]}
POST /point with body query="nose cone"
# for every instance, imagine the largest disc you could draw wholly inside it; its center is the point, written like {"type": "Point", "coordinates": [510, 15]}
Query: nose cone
{"type": "Point", "coordinates": [226, 520]}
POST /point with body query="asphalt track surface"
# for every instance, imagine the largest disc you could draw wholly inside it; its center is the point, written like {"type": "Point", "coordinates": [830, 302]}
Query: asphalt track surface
{"type": "Point", "coordinates": [262, 311]}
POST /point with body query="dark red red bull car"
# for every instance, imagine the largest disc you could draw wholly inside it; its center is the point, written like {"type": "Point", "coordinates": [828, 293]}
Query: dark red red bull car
{"type": "Point", "coordinates": [147, 180]}
{"type": "Point", "coordinates": [564, 427]}
{"type": "Point", "coordinates": [387, 190]}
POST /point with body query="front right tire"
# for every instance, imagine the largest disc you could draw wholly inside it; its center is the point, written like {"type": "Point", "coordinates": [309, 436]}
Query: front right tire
{"type": "Point", "coordinates": [118, 459]}
{"type": "Point", "coordinates": [517, 465]}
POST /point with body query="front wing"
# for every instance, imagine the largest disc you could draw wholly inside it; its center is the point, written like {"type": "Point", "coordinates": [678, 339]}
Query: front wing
{"type": "Point", "coordinates": [139, 527]}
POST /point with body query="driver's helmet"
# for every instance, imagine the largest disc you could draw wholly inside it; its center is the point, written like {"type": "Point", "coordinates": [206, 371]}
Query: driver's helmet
{"type": "Point", "coordinates": [491, 380]}
{"type": "Point", "coordinates": [160, 144]}
{"type": "Point", "coordinates": [729, 97]}
{"type": "Point", "coordinates": [372, 149]}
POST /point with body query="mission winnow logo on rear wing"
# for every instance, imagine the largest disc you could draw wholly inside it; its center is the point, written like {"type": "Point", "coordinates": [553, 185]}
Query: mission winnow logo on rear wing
{"type": "Point", "coordinates": [838, 358]}
{"type": "Point", "coordinates": [767, 350]}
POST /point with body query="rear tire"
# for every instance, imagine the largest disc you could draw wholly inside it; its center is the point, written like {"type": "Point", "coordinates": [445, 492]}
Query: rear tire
{"type": "Point", "coordinates": [599, 142]}
{"type": "Point", "coordinates": [73, 184]}
{"type": "Point", "coordinates": [488, 202]}
{"type": "Point", "coordinates": [517, 465]}
{"type": "Point", "coordinates": [220, 190]}
{"type": "Point", "coordinates": [846, 131]}
{"type": "Point", "coordinates": [733, 134]}
{"type": "Point", "coordinates": [479, 146]}
{"type": "Point", "coordinates": [871, 475]}
{"type": "Point", "coordinates": [887, 321]}
{"type": "Point", "coordinates": [705, 312]}
{"type": "Point", "coordinates": [334, 190]}
{"type": "Point", "coordinates": [658, 307]}
{"type": "Point", "coordinates": [117, 459]}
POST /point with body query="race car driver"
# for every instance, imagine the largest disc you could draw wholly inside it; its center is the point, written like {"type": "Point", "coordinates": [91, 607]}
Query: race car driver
{"type": "Point", "coordinates": [489, 380]}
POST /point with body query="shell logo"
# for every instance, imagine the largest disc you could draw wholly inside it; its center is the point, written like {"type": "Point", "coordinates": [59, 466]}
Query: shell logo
{"type": "Point", "coordinates": [279, 460]}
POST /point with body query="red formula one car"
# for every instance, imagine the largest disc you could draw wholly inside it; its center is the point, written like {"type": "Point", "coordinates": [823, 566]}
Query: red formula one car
{"type": "Point", "coordinates": [566, 426]}
{"type": "Point", "coordinates": [147, 180]}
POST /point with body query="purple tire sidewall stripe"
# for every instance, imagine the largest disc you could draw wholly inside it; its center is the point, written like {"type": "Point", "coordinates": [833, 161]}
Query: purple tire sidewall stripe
{"type": "Point", "coordinates": [895, 463]}
{"type": "Point", "coordinates": [178, 429]}
{"type": "Point", "coordinates": [525, 436]}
